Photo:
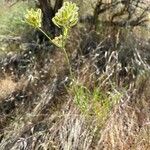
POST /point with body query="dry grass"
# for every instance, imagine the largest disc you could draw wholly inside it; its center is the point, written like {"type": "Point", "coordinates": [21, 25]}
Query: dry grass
{"type": "Point", "coordinates": [65, 127]}
{"type": "Point", "coordinates": [128, 126]}
{"type": "Point", "coordinates": [55, 122]}
{"type": "Point", "coordinates": [7, 86]}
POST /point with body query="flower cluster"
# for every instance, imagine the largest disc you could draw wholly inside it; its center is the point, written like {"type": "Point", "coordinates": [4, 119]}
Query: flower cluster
{"type": "Point", "coordinates": [33, 18]}
{"type": "Point", "coordinates": [58, 41]}
{"type": "Point", "coordinates": [67, 16]}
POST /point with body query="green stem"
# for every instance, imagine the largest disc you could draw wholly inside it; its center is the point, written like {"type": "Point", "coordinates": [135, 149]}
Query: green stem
{"type": "Point", "coordinates": [65, 34]}
{"type": "Point", "coordinates": [68, 61]}
{"type": "Point", "coordinates": [63, 48]}
{"type": "Point", "coordinates": [45, 34]}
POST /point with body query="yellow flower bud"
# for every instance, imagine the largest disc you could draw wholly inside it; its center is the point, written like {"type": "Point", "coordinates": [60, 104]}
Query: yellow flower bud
{"type": "Point", "coordinates": [58, 41]}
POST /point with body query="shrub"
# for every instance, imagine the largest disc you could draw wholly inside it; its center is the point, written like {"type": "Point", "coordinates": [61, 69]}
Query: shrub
{"type": "Point", "coordinates": [12, 18]}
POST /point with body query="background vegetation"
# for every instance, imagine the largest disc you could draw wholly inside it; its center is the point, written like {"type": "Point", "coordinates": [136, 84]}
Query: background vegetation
{"type": "Point", "coordinates": [105, 105]}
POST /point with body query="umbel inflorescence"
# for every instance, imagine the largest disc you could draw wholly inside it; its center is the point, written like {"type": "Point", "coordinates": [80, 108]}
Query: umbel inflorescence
{"type": "Point", "coordinates": [34, 18]}
{"type": "Point", "coordinates": [65, 18]}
